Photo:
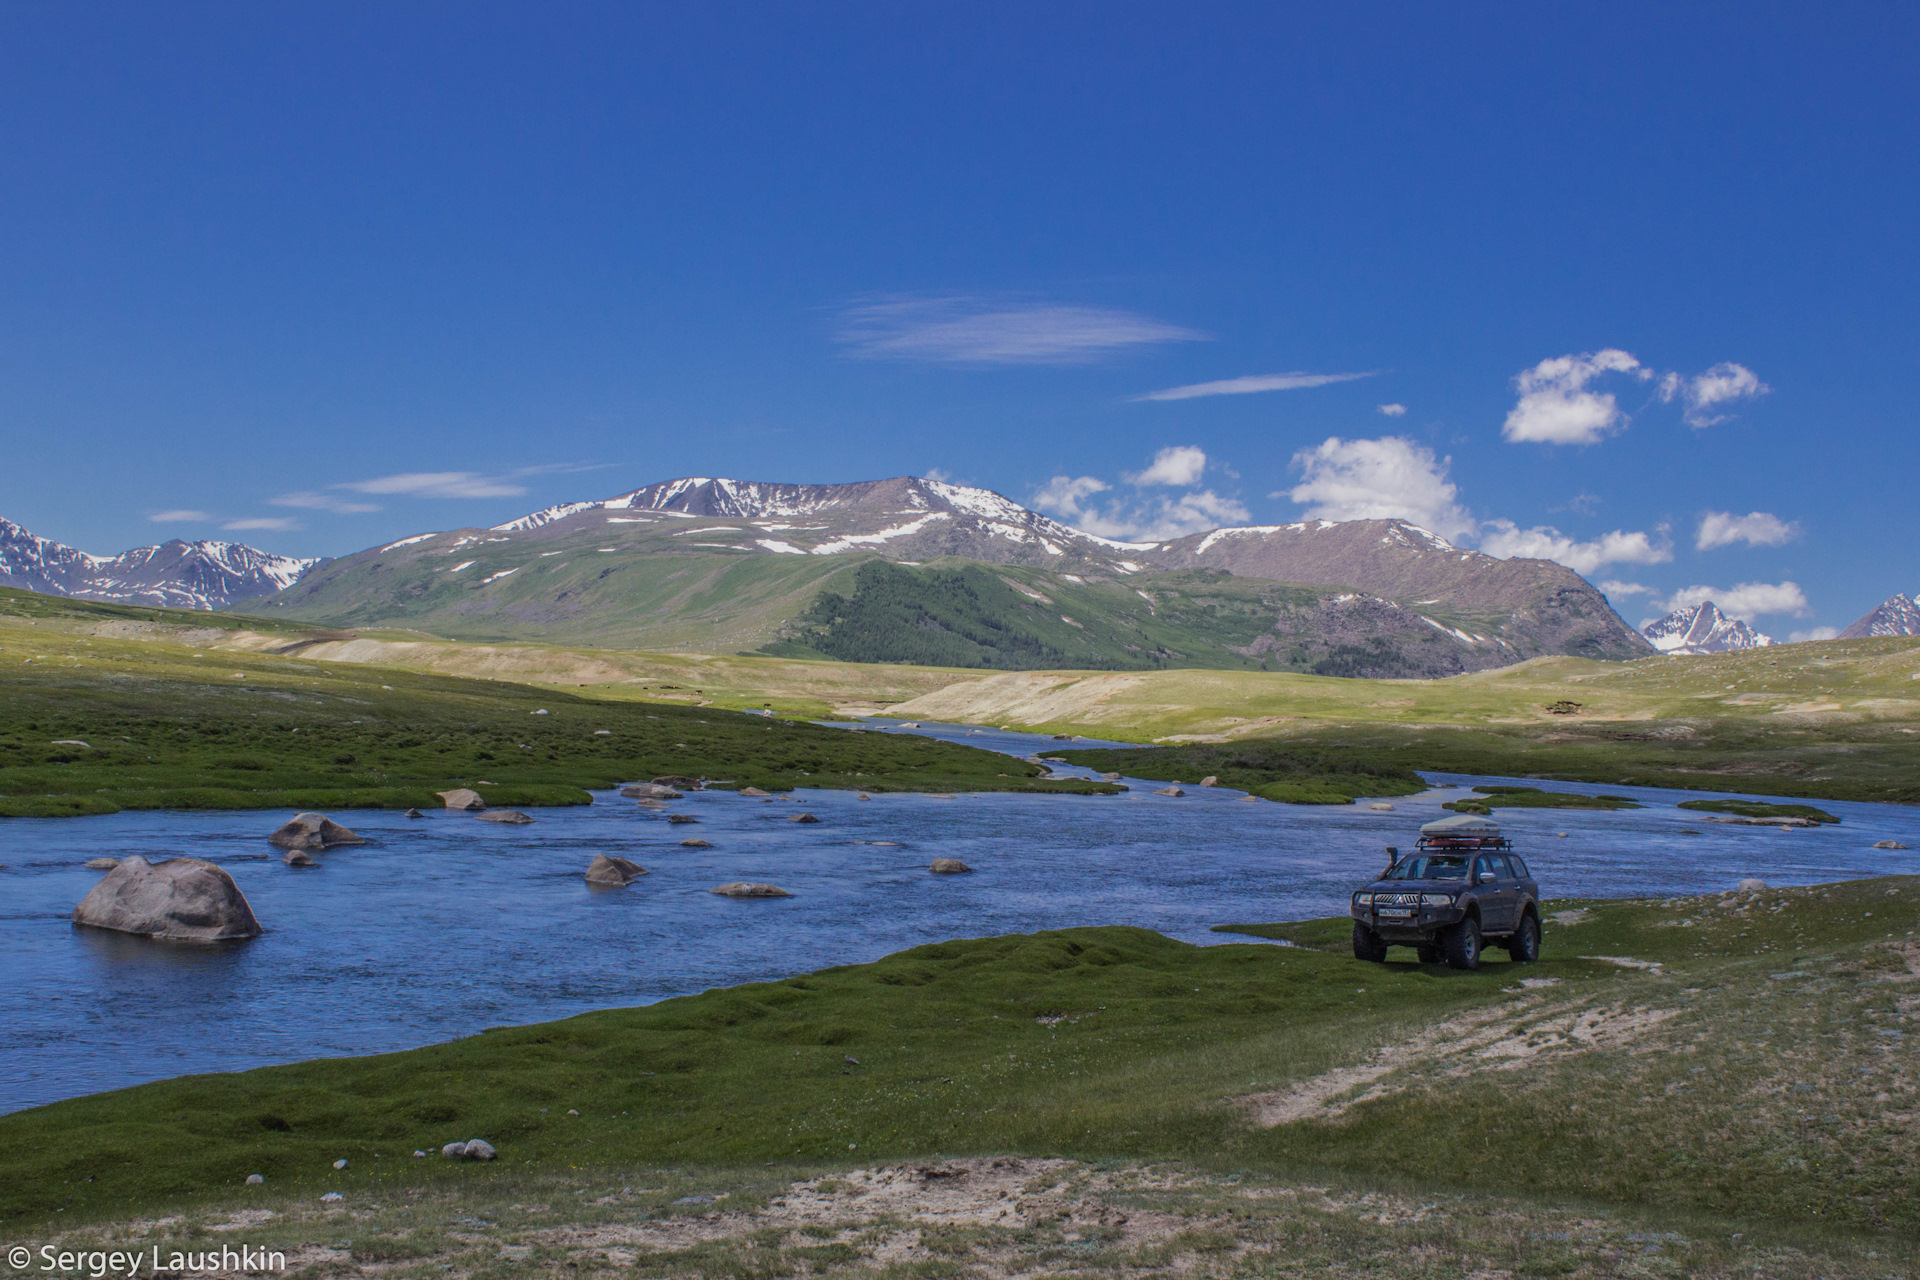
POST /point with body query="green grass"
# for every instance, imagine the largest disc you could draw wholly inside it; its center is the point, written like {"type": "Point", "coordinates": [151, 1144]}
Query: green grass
{"type": "Point", "coordinates": [1116, 1044]}
{"type": "Point", "coordinates": [1491, 798]}
{"type": "Point", "coordinates": [1759, 809]}
{"type": "Point", "coordinates": [172, 727]}
{"type": "Point", "coordinates": [1276, 769]}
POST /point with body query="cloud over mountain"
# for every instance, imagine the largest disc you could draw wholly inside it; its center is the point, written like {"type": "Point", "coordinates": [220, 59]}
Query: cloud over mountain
{"type": "Point", "coordinates": [1505, 539]}
{"type": "Point", "coordinates": [1755, 529]}
{"type": "Point", "coordinates": [966, 330]}
{"type": "Point", "coordinates": [1747, 600]}
{"type": "Point", "coordinates": [1389, 478]}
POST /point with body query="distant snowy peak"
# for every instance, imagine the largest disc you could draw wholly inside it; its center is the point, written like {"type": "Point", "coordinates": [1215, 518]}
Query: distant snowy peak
{"type": "Point", "coordinates": [183, 575]}
{"type": "Point", "coordinates": [1899, 616]}
{"type": "Point", "coordinates": [1702, 629]}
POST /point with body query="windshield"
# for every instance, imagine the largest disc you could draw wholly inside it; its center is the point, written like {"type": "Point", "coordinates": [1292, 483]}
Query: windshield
{"type": "Point", "coordinates": [1430, 866]}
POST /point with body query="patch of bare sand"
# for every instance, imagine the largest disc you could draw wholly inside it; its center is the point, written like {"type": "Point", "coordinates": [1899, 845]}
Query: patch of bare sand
{"type": "Point", "coordinates": [1507, 1036]}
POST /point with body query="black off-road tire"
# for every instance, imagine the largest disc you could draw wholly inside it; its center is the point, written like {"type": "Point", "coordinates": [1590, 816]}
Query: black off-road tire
{"type": "Point", "coordinates": [1431, 953]}
{"type": "Point", "coordinates": [1524, 945]}
{"type": "Point", "coordinates": [1461, 943]}
{"type": "Point", "coordinates": [1368, 945]}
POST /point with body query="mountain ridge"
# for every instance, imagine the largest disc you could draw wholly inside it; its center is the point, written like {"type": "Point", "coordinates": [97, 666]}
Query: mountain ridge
{"type": "Point", "coordinates": [1897, 616]}
{"type": "Point", "coordinates": [1702, 629]}
{"type": "Point", "coordinates": [193, 575]}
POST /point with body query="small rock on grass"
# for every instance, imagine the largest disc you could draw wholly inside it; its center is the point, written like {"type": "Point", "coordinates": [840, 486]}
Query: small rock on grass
{"type": "Point", "coordinates": [1751, 885]}
{"type": "Point", "coordinates": [332, 1197]}
{"type": "Point", "coordinates": [339, 1164]}
{"type": "Point", "coordinates": [512, 817]}
{"type": "Point", "coordinates": [472, 1149]}
{"type": "Point", "coordinates": [948, 867]}
{"type": "Point", "coordinates": [454, 1151]}
{"type": "Point", "coordinates": [254, 1180]}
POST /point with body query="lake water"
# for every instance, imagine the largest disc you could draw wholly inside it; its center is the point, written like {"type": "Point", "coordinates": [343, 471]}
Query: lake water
{"type": "Point", "coordinates": [445, 925]}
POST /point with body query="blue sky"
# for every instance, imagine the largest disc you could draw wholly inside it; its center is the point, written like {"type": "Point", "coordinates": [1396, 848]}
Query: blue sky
{"type": "Point", "coordinates": [1640, 280]}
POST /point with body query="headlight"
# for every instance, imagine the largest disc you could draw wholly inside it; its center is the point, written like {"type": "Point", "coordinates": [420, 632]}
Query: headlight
{"type": "Point", "coordinates": [1362, 899]}
{"type": "Point", "coordinates": [1437, 899]}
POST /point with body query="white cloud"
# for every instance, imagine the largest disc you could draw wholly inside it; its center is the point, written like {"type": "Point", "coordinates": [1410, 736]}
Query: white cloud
{"type": "Point", "coordinates": [1179, 466]}
{"type": "Point", "coordinates": [179, 517]}
{"type": "Point", "coordinates": [1544, 542]}
{"type": "Point", "coordinates": [1816, 633]}
{"type": "Point", "coordinates": [1252, 383]}
{"type": "Point", "coordinates": [310, 501]}
{"type": "Point", "coordinates": [1555, 406]}
{"type": "Point", "coordinates": [1394, 410]}
{"type": "Point", "coordinates": [438, 484]}
{"type": "Point", "coordinates": [280, 523]}
{"type": "Point", "coordinates": [1705, 393]}
{"type": "Point", "coordinates": [939, 475]}
{"type": "Point", "coordinates": [1747, 601]}
{"type": "Point", "coordinates": [1615, 587]}
{"type": "Point", "coordinates": [963, 330]}
{"type": "Point", "coordinates": [1756, 529]}
{"type": "Point", "coordinates": [1389, 478]}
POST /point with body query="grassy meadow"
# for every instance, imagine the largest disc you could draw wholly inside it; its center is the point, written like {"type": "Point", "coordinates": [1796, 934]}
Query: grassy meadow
{"type": "Point", "coordinates": [1553, 1108]}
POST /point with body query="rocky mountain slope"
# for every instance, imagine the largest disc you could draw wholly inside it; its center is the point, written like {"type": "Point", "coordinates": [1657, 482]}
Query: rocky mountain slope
{"type": "Point", "coordinates": [189, 575]}
{"type": "Point", "coordinates": [729, 566]}
{"type": "Point", "coordinates": [1899, 616]}
{"type": "Point", "coordinates": [1702, 629]}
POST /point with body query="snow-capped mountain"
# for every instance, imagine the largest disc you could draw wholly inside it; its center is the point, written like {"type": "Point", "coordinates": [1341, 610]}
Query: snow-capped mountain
{"type": "Point", "coordinates": [1899, 616]}
{"type": "Point", "coordinates": [1702, 629]}
{"type": "Point", "coordinates": [182, 575]}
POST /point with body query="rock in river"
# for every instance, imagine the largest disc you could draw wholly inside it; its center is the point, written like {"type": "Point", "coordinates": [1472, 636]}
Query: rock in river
{"type": "Point", "coordinates": [802, 817]}
{"type": "Point", "coordinates": [462, 798]}
{"type": "Point", "coordinates": [299, 858]}
{"type": "Point", "coordinates": [616, 872]}
{"type": "Point", "coordinates": [648, 791]}
{"type": "Point", "coordinates": [754, 791]}
{"type": "Point", "coordinates": [695, 843]}
{"type": "Point", "coordinates": [679, 780]}
{"type": "Point", "coordinates": [1878, 844]}
{"type": "Point", "coordinates": [511, 816]}
{"type": "Point", "coordinates": [182, 898]}
{"type": "Point", "coordinates": [313, 831]}
{"type": "Point", "coordinates": [742, 889]}
{"type": "Point", "coordinates": [1169, 791]}
{"type": "Point", "coordinates": [1210, 781]}
{"type": "Point", "coordinates": [948, 867]}
{"type": "Point", "coordinates": [108, 864]}
{"type": "Point", "coordinates": [679, 819]}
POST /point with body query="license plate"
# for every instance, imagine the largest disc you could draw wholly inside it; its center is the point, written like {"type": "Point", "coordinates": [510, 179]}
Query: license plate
{"type": "Point", "coordinates": [1396, 911]}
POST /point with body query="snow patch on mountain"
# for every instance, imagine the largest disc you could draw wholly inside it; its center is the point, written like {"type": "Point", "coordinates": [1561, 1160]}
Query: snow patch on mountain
{"type": "Point", "coordinates": [1899, 616]}
{"type": "Point", "coordinates": [1702, 629]}
{"type": "Point", "coordinates": [177, 574]}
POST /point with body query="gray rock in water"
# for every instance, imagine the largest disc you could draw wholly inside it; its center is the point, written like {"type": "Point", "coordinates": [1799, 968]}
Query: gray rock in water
{"type": "Point", "coordinates": [654, 806]}
{"type": "Point", "coordinates": [298, 858]}
{"type": "Point", "coordinates": [742, 889]}
{"type": "Point", "coordinates": [754, 791]}
{"type": "Point", "coordinates": [863, 796]}
{"type": "Point", "coordinates": [1169, 791]}
{"type": "Point", "coordinates": [1381, 807]}
{"type": "Point", "coordinates": [462, 798]}
{"type": "Point", "coordinates": [512, 817]}
{"type": "Point", "coordinates": [695, 843]}
{"type": "Point", "coordinates": [479, 1149]}
{"type": "Point", "coordinates": [313, 831]}
{"type": "Point", "coordinates": [1210, 781]}
{"type": "Point", "coordinates": [948, 867]}
{"type": "Point", "coordinates": [101, 864]}
{"type": "Point", "coordinates": [415, 813]}
{"type": "Point", "coordinates": [1878, 844]}
{"type": "Point", "coordinates": [254, 1180]}
{"type": "Point", "coordinates": [615, 872]}
{"type": "Point", "coordinates": [1109, 777]}
{"type": "Point", "coordinates": [649, 791]}
{"type": "Point", "coordinates": [1751, 885]}
{"type": "Point", "coordinates": [183, 899]}
{"type": "Point", "coordinates": [679, 819]}
{"type": "Point", "coordinates": [681, 781]}
{"type": "Point", "coordinates": [801, 817]}
{"type": "Point", "coordinates": [454, 1151]}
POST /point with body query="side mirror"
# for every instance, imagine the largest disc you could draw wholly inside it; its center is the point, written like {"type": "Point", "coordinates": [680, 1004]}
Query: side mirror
{"type": "Point", "coordinates": [1486, 877]}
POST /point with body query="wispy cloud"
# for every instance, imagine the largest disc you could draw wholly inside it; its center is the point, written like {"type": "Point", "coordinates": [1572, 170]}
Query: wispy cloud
{"type": "Point", "coordinates": [438, 484]}
{"type": "Point", "coordinates": [1705, 394]}
{"type": "Point", "coordinates": [260, 523]}
{"type": "Point", "coordinates": [1159, 518]}
{"type": "Point", "coordinates": [1615, 587]}
{"type": "Point", "coordinates": [180, 517]}
{"type": "Point", "coordinates": [308, 500]}
{"type": "Point", "coordinates": [980, 331]}
{"type": "Point", "coordinates": [1506, 540]}
{"type": "Point", "coordinates": [1813, 633]}
{"type": "Point", "coordinates": [1251, 384]}
{"type": "Point", "coordinates": [1556, 405]}
{"type": "Point", "coordinates": [1385, 479]}
{"type": "Point", "coordinates": [1747, 600]}
{"type": "Point", "coordinates": [1394, 410]}
{"type": "Point", "coordinates": [1755, 529]}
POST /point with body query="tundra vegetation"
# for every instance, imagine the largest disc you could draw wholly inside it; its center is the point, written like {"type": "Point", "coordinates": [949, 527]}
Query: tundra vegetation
{"type": "Point", "coordinates": [1712, 1085]}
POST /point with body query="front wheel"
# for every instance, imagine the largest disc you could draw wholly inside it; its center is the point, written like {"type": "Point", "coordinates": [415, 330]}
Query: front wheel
{"type": "Point", "coordinates": [1368, 945]}
{"type": "Point", "coordinates": [1524, 945]}
{"type": "Point", "coordinates": [1462, 945]}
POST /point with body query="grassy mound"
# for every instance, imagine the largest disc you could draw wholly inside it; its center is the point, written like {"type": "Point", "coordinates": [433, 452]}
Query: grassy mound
{"type": "Point", "coordinates": [1661, 1028]}
{"type": "Point", "coordinates": [1491, 798]}
{"type": "Point", "coordinates": [1274, 768]}
{"type": "Point", "coordinates": [1760, 809]}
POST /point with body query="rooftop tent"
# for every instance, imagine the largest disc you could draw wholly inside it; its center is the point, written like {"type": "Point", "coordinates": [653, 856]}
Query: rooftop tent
{"type": "Point", "coordinates": [1463, 825]}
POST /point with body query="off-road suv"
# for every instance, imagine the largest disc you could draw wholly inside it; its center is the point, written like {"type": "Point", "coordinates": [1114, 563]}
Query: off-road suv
{"type": "Point", "coordinates": [1462, 888]}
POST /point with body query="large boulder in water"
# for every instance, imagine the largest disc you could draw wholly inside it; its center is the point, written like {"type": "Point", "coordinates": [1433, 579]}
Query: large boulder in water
{"type": "Point", "coordinates": [948, 867]}
{"type": "Point", "coordinates": [613, 872]}
{"type": "Point", "coordinates": [313, 831]}
{"type": "Point", "coordinates": [462, 798]}
{"type": "Point", "coordinates": [182, 898]}
{"type": "Point", "coordinates": [648, 791]}
{"type": "Point", "coordinates": [512, 817]}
